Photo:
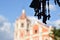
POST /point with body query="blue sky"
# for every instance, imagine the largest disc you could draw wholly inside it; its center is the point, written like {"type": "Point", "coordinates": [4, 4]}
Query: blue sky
{"type": "Point", "coordinates": [10, 10]}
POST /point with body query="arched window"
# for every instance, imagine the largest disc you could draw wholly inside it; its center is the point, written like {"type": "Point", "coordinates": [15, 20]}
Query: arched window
{"type": "Point", "coordinates": [27, 27]}
{"type": "Point", "coordinates": [35, 29]}
{"type": "Point", "coordinates": [46, 38]}
{"type": "Point", "coordinates": [22, 24]}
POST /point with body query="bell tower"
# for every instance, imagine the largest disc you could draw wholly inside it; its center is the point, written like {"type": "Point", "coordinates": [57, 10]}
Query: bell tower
{"type": "Point", "coordinates": [22, 25]}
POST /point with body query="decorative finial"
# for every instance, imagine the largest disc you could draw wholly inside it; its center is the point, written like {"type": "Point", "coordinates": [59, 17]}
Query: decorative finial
{"type": "Point", "coordinates": [23, 11]}
{"type": "Point", "coordinates": [23, 16]}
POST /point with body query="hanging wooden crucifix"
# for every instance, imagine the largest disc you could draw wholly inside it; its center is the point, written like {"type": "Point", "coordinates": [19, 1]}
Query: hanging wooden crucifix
{"type": "Point", "coordinates": [39, 7]}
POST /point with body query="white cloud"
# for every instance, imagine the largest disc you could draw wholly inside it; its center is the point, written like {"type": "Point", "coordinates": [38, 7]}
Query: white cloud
{"type": "Point", "coordinates": [4, 24]}
{"type": "Point", "coordinates": [35, 19]}
{"type": "Point", "coordinates": [5, 31]}
{"type": "Point", "coordinates": [55, 23]}
{"type": "Point", "coordinates": [50, 23]}
{"type": "Point", "coordinates": [52, 7]}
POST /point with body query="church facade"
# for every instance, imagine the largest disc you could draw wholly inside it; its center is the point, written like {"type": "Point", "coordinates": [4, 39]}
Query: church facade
{"type": "Point", "coordinates": [25, 29]}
